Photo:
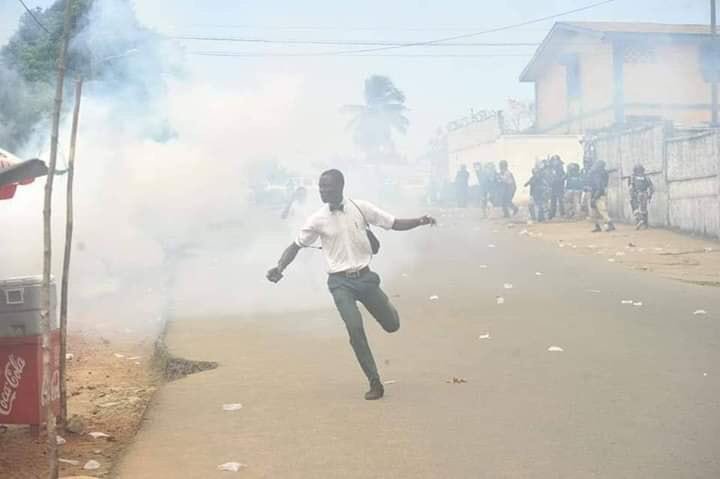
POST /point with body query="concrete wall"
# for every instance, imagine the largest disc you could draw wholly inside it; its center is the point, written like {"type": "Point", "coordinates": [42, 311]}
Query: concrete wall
{"type": "Point", "coordinates": [521, 152]}
{"type": "Point", "coordinates": [684, 169]}
{"type": "Point", "coordinates": [661, 79]}
{"type": "Point", "coordinates": [693, 164]}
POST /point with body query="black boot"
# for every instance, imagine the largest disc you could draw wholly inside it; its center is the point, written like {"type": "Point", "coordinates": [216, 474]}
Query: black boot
{"type": "Point", "coordinates": [597, 228]}
{"type": "Point", "coordinates": [376, 390]}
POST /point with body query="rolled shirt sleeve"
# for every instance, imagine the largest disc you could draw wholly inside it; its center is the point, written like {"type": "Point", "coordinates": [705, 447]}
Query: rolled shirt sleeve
{"type": "Point", "coordinates": [375, 216]}
{"type": "Point", "coordinates": [308, 234]}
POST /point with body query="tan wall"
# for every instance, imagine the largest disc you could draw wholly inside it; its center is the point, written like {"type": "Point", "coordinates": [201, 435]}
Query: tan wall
{"type": "Point", "coordinates": [551, 104]}
{"type": "Point", "coordinates": [521, 152]}
{"type": "Point", "coordinates": [671, 78]}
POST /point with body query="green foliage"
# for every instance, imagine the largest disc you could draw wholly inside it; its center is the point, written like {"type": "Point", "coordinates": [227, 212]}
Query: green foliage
{"type": "Point", "coordinates": [32, 52]}
{"type": "Point", "coordinates": [374, 122]}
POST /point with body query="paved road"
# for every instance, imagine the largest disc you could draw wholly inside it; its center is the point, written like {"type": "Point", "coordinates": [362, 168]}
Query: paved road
{"type": "Point", "coordinates": [635, 393]}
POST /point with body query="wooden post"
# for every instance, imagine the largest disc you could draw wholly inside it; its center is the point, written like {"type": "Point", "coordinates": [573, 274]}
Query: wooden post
{"type": "Point", "coordinates": [46, 393]}
{"type": "Point", "coordinates": [68, 252]}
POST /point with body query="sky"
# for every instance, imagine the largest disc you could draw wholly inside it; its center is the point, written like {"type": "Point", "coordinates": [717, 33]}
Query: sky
{"type": "Point", "coordinates": [438, 90]}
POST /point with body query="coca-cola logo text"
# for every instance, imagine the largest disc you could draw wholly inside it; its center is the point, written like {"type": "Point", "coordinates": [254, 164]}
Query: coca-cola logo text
{"type": "Point", "coordinates": [12, 377]}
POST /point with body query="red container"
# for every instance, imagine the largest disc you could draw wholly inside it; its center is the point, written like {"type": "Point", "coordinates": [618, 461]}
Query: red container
{"type": "Point", "coordinates": [21, 379]}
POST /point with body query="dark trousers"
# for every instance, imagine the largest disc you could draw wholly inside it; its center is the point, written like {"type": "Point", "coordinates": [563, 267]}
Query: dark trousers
{"type": "Point", "coordinates": [557, 203]}
{"type": "Point", "coordinates": [365, 288]}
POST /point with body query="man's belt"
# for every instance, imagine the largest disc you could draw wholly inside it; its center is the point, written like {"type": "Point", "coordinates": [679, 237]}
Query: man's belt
{"type": "Point", "coordinates": [352, 274]}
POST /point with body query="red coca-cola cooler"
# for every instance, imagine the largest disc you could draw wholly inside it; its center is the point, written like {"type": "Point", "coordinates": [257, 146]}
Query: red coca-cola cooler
{"type": "Point", "coordinates": [21, 361]}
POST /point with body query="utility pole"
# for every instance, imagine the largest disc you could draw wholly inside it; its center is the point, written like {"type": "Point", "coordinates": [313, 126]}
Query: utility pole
{"type": "Point", "coordinates": [47, 392]}
{"type": "Point", "coordinates": [714, 83]}
{"type": "Point", "coordinates": [68, 251]}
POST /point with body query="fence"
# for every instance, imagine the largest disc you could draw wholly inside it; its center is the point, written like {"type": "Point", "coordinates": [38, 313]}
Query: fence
{"type": "Point", "coordinates": [684, 167]}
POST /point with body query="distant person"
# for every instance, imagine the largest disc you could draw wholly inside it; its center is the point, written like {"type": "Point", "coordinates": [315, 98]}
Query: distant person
{"type": "Point", "coordinates": [641, 192]}
{"type": "Point", "coordinates": [462, 180]}
{"type": "Point", "coordinates": [297, 200]}
{"type": "Point", "coordinates": [588, 163]}
{"type": "Point", "coordinates": [538, 192]}
{"type": "Point", "coordinates": [599, 183]}
{"type": "Point", "coordinates": [556, 179]}
{"type": "Point", "coordinates": [573, 191]}
{"type": "Point", "coordinates": [508, 187]}
{"type": "Point", "coordinates": [342, 226]}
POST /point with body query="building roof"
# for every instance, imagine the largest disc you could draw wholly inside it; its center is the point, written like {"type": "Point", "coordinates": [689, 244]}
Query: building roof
{"type": "Point", "coordinates": [603, 30]}
{"type": "Point", "coordinates": [651, 28]}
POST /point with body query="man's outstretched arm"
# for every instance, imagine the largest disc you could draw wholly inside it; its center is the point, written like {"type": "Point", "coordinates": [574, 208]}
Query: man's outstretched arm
{"type": "Point", "coordinates": [276, 274]}
{"type": "Point", "coordinates": [412, 223]}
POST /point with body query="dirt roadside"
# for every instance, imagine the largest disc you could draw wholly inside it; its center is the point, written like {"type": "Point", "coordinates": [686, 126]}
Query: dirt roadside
{"type": "Point", "coordinates": [110, 384]}
{"type": "Point", "coordinates": [666, 253]}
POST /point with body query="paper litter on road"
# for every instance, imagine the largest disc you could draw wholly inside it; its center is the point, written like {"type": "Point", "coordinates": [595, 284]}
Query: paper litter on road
{"type": "Point", "coordinates": [91, 465]}
{"type": "Point", "coordinates": [484, 336]}
{"type": "Point", "coordinates": [405, 275]}
{"type": "Point", "coordinates": [483, 266]}
{"type": "Point", "coordinates": [232, 407]}
{"type": "Point", "coordinates": [69, 462]}
{"type": "Point", "coordinates": [456, 380]}
{"type": "Point", "coordinates": [705, 374]}
{"type": "Point", "coordinates": [594, 291]}
{"type": "Point", "coordinates": [500, 300]}
{"type": "Point", "coordinates": [60, 441]}
{"type": "Point", "coordinates": [69, 356]}
{"type": "Point", "coordinates": [611, 260]}
{"type": "Point", "coordinates": [491, 246]}
{"type": "Point", "coordinates": [134, 358]}
{"type": "Point", "coordinates": [538, 273]}
{"type": "Point", "coordinates": [523, 233]}
{"type": "Point", "coordinates": [708, 250]}
{"type": "Point", "coordinates": [389, 381]}
{"type": "Point", "coordinates": [627, 301]}
{"type": "Point", "coordinates": [231, 466]}
{"type": "Point", "coordinates": [637, 303]}
{"type": "Point", "coordinates": [700, 312]}
{"type": "Point", "coordinates": [119, 356]}
{"type": "Point", "coordinates": [434, 297]}
{"type": "Point", "coordinates": [508, 286]}
{"type": "Point", "coordinates": [555, 349]}
{"type": "Point", "coordinates": [98, 435]}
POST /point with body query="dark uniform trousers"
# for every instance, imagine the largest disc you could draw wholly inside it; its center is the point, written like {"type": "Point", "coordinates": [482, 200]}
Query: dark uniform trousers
{"type": "Point", "coordinates": [364, 287]}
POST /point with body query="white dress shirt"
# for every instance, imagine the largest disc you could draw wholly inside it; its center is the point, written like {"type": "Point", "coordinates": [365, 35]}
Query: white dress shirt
{"type": "Point", "coordinates": [342, 234]}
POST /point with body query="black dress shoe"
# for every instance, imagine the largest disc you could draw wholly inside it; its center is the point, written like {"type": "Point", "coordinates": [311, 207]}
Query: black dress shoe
{"type": "Point", "coordinates": [376, 391]}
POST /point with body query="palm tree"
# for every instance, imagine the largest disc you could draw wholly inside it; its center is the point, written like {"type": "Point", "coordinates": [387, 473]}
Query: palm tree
{"type": "Point", "coordinates": [373, 123]}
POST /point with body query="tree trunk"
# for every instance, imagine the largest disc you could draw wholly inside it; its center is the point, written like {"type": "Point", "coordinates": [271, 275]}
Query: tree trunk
{"type": "Point", "coordinates": [47, 392]}
{"type": "Point", "coordinates": [68, 252]}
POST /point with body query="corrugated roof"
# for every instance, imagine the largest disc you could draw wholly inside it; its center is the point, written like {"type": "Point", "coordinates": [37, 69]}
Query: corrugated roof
{"type": "Point", "coordinates": [632, 27]}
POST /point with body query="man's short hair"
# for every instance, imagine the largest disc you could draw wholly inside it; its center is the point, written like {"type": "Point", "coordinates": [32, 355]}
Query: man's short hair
{"type": "Point", "coordinates": [335, 175]}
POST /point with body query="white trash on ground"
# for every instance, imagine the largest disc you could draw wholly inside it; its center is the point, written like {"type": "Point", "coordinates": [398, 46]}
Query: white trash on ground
{"type": "Point", "coordinates": [434, 297]}
{"type": "Point", "coordinates": [637, 303]}
{"type": "Point", "coordinates": [119, 356]}
{"type": "Point", "coordinates": [627, 301]}
{"type": "Point", "coordinates": [99, 435]}
{"type": "Point", "coordinates": [91, 465]}
{"type": "Point", "coordinates": [594, 291]}
{"type": "Point", "coordinates": [60, 441]}
{"type": "Point", "coordinates": [389, 381]}
{"type": "Point", "coordinates": [500, 300]}
{"type": "Point", "coordinates": [69, 462]}
{"type": "Point", "coordinates": [232, 407]}
{"type": "Point", "coordinates": [491, 246]}
{"type": "Point", "coordinates": [484, 336]}
{"type": "Point", "coordinates": [700, 312]}
{"type": "Point", "coordinates": [508, 286]}
{"type": "Point", "coordinates": [555, 349]}
{"type": "Point", "coordinates": [231, 466]}
{"type": "Point", "coordinates": [538, 273]}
